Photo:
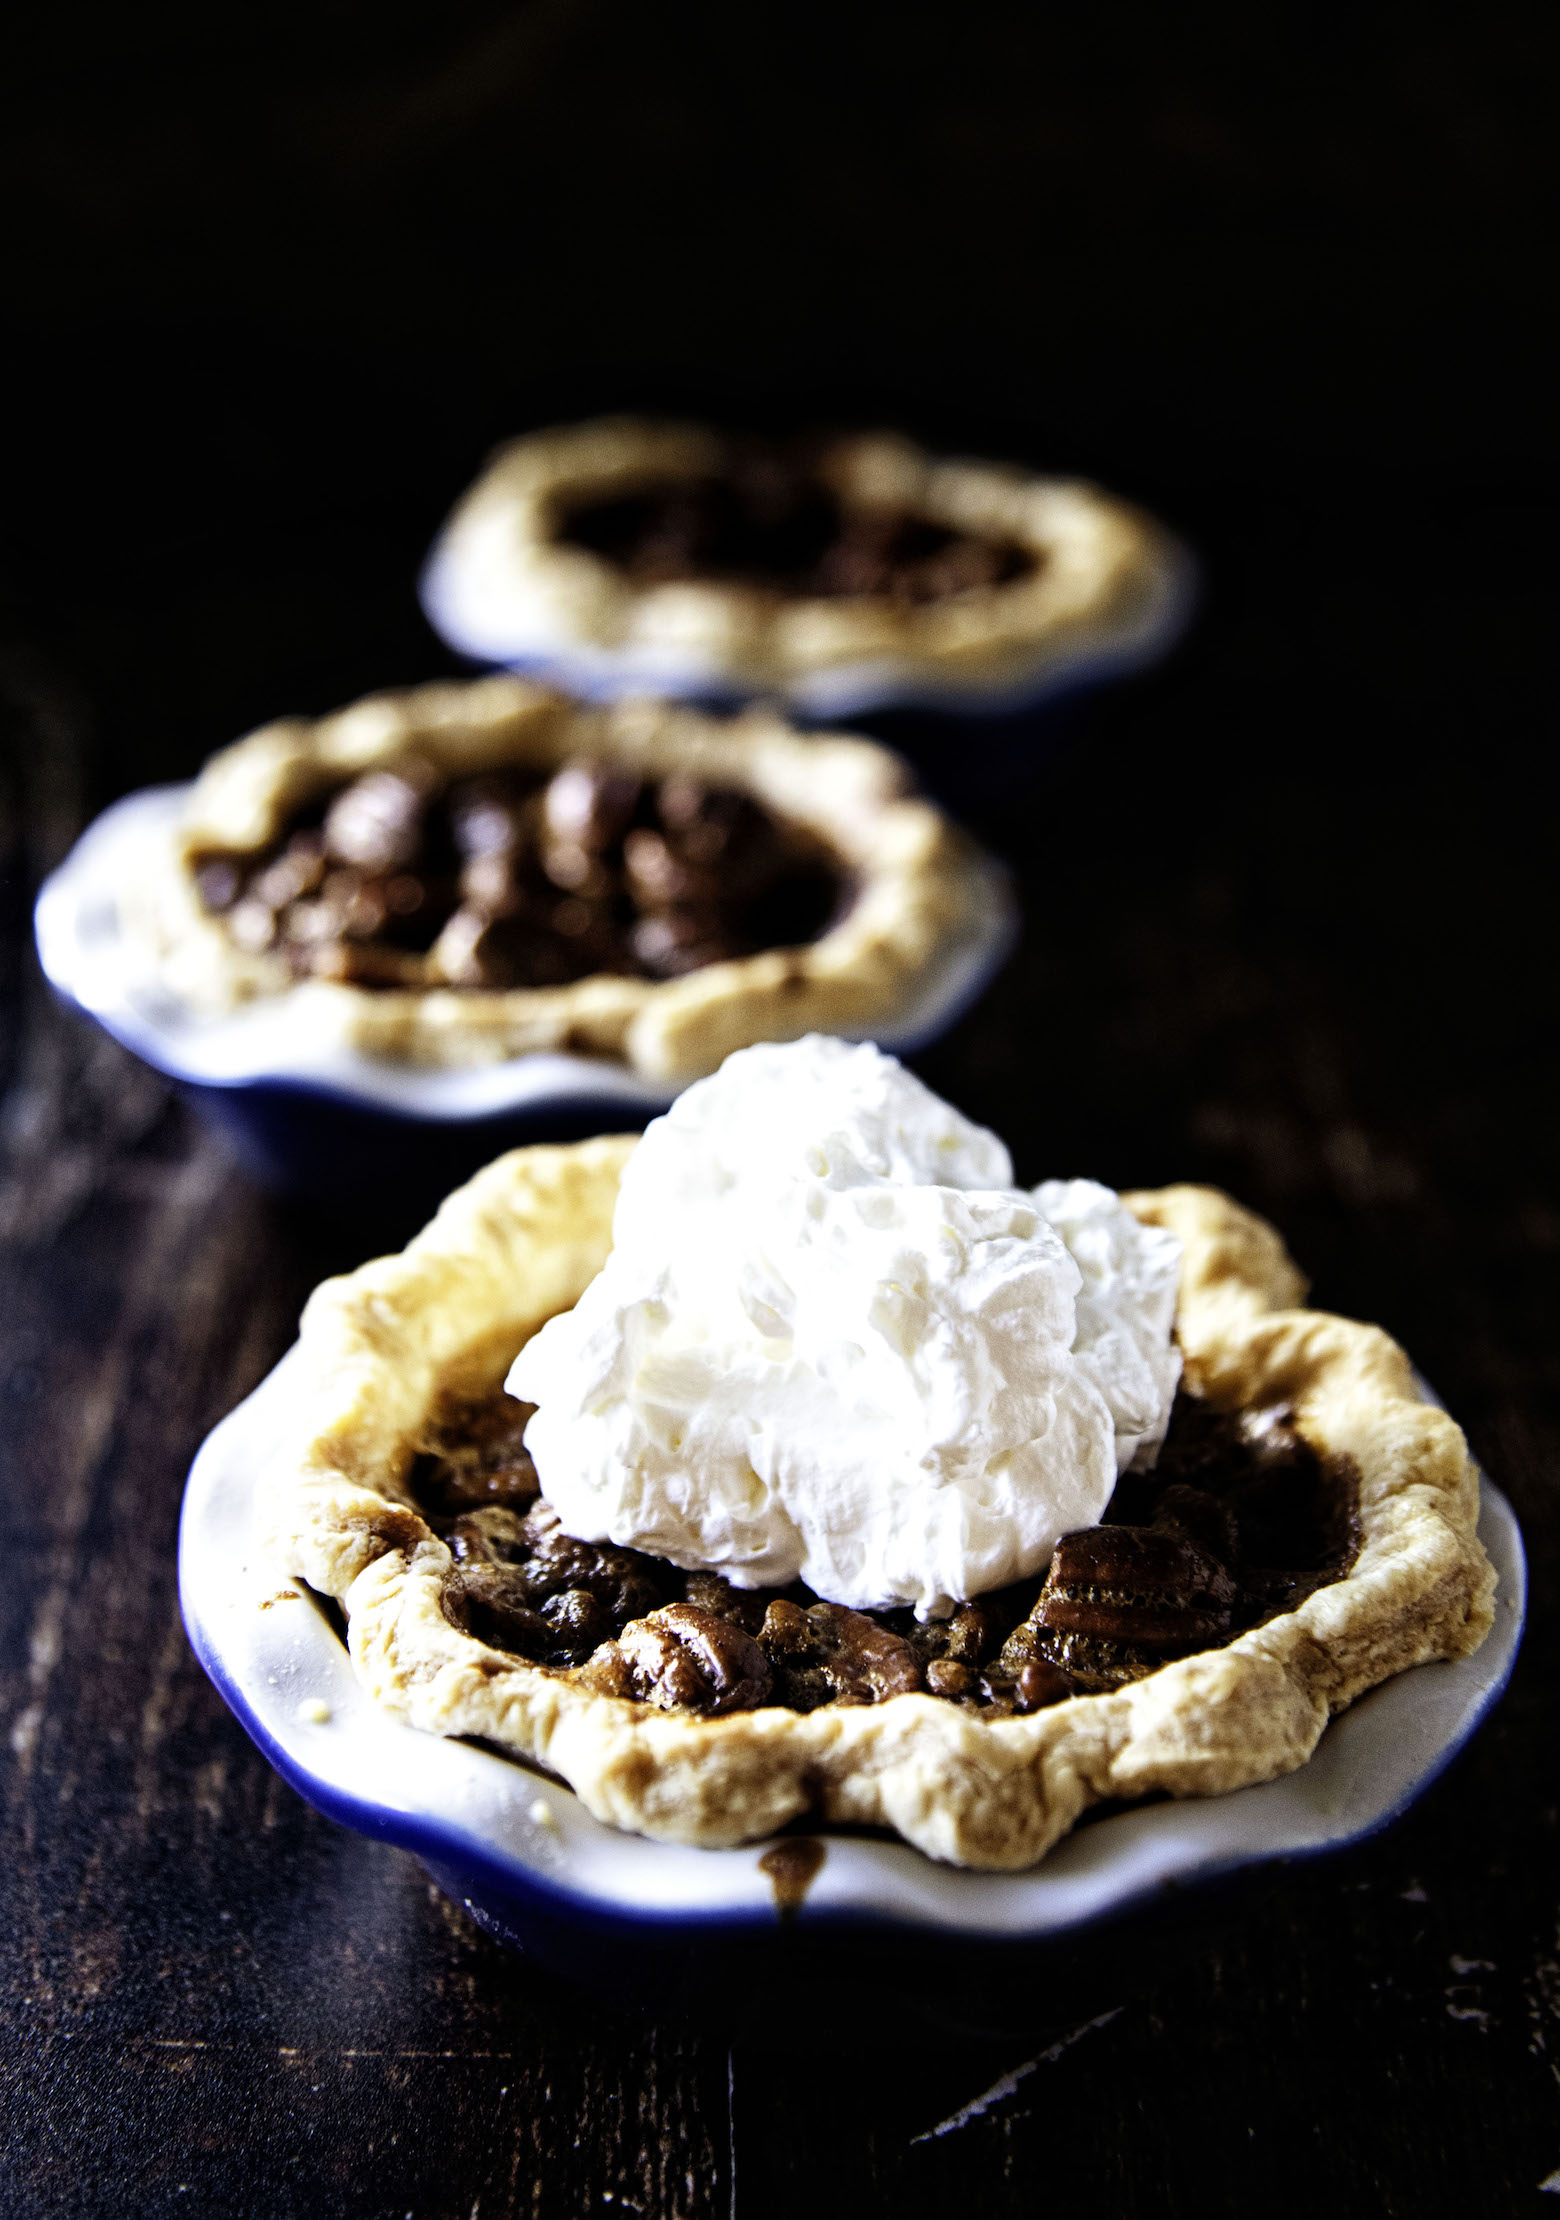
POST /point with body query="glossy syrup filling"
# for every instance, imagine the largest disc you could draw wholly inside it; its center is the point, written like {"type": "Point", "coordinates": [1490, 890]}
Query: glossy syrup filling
{"type": "Point", "coordinates": [769, 520]}
{"type": "Point", "coordinates": [512, 880]}
{"type": "Point", "coordinates": [1241, 1519]}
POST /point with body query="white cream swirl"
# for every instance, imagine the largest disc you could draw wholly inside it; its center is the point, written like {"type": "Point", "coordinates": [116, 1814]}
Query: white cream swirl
{"type": "Point", "coordinates": [834, 1342]}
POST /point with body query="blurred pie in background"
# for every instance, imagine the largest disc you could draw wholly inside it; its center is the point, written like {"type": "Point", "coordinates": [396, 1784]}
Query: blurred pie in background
{"type": "Point", "coordinates": [841, 573]}
{"type": "Point", "coordinates": [466, 873]}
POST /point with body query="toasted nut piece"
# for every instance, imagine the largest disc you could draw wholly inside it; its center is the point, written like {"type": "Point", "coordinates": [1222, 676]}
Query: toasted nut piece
{"type": "Point", "coordinates": [687, 1659]}
{"type": "Point", "coordinates": [1039, 1684]}
{"type": "Point", "coordinates": [859, 1661]}
{"type": "Point", "coordinates": [376, 822]}
{"type": "Point", "coordinates": [588, 806]}
{"type": "Point", "coordinates": [1136, 1584]}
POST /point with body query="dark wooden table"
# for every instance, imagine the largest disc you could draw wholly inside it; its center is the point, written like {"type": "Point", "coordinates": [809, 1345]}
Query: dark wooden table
{"type": "Point", "coordinates": [1288, 928]}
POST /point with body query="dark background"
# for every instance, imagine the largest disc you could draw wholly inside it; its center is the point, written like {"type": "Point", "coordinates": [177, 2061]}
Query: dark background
{"type": "Point", "coordinates": [274, 280]}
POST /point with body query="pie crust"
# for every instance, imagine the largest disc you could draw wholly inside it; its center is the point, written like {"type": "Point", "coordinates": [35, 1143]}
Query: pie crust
{"type": "Point", "coordinates": [921, 890]}
{"type": "Point", "coordinates": [501, 583]}
{"type": "Point", "coordinates": [520, 1242]}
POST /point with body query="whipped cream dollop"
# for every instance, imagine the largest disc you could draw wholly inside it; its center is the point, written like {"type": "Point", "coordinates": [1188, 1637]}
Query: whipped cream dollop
{"type": "Point", "coordinates": [834, 1342]}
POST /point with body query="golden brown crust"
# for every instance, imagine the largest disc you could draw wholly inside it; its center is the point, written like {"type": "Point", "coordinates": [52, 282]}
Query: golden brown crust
{"type": "Point", "coordinates": [1103, 571]}
{"type": "Point", "coordinates": [524, 1238]}
{"type": "Point", "coordinates": [923, 891]}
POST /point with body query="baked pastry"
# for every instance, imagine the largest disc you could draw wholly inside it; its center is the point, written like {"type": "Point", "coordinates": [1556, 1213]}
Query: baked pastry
{"type": "Point", "coordinates": [1307, 1531]}
{"type": "Point", "coordinates": [843, 572]}
{"type": "Point", "coordinates": [466, 872]}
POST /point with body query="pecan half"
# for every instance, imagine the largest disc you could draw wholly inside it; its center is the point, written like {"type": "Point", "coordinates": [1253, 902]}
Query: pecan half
{"type": "Point", "coordinates": [659, 878]}
{"type": "Point", "coordinates": [492, 1535]}
{"type": "Point", "coordinates": [532, 1588]}
{"type": "Point", "coordinates": [493, 1601]}
{"type": "Point", "coordinates": [1139, 1585]}
{"type": "Point", "coordinates": [490, 1602]}
{"type": "Point", "coordinates": [578, 1622]}
{"type": "Point", "coordinates": [590, 805]}
{"type": "Point", "coordinates": [711, 1591]}
{"type": "Point", "coordinates": [486, 818]}
{"type": "Point", "coordinates": [830, 1655]}
{"type": "Point", "coordinates": [1043, 1665]}
{"type": "Point", "coordinates": [972, 1635]}
{"type": "Point", "coordinates": [376, 822]}
{"type": "Point", "coordinates": [683, 1658]}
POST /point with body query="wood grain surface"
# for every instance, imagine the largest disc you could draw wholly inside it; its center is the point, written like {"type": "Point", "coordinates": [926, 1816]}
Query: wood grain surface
{"type": "Point", "coordinates": [1264, 945]}
{"type": "Point", "coordinates": [272, 279]}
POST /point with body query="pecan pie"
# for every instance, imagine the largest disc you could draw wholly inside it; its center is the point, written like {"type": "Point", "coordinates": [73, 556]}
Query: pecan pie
{"type": "Point", "coordinates": [674, 554]}
{"type": "Point", "coordinates": [467, 872]}
{"type": "Point", "coordinates": [1307, 1531]}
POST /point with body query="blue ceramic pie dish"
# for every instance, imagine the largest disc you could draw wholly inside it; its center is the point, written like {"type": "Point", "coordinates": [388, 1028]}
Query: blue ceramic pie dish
{"type": "Point", "coordinates": [532, 1865]}
{"type": "Point", "coordinates": [320, 1119]}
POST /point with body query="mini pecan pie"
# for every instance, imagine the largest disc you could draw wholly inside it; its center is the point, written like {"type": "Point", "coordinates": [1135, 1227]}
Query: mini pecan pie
{"type": "Point", "coordinates": [1308, 1530]}
{"type": "Point", "coordinates": [676, 555]}
{"type": "Point", "coordinates": [467, 872]}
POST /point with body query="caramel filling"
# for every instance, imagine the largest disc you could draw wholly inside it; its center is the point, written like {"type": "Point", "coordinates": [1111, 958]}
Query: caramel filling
{"type": "Point", "coordinates": [507, 881]}
{"type": "Point", "coordinates": [1241, 1519]}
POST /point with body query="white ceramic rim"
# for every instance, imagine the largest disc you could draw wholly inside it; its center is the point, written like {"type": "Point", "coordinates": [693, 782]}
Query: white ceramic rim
{"type": "Point", "coordinates": [476, 623]}
{"type": "Point", "coordinates": [283, 1666]}
{"type": "Point", "coordinates": [89, 957]}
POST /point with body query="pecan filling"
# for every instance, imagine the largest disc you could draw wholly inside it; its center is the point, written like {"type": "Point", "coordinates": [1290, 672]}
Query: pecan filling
{"type": "Point", "coordinates": [1240, 1520]}
{"type": "Point", "coordinates": [768, 520]}
{"type": "Point", "coordinates": [505, 881]}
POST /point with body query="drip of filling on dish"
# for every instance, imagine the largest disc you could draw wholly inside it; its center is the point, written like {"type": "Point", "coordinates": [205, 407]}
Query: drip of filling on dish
{"type": "Point", "coordinates": [769, 520]}
{"type": "Point", "coordinates": [511, 880]}
{"type": "Point", "coordinates": [1241, 1519]}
